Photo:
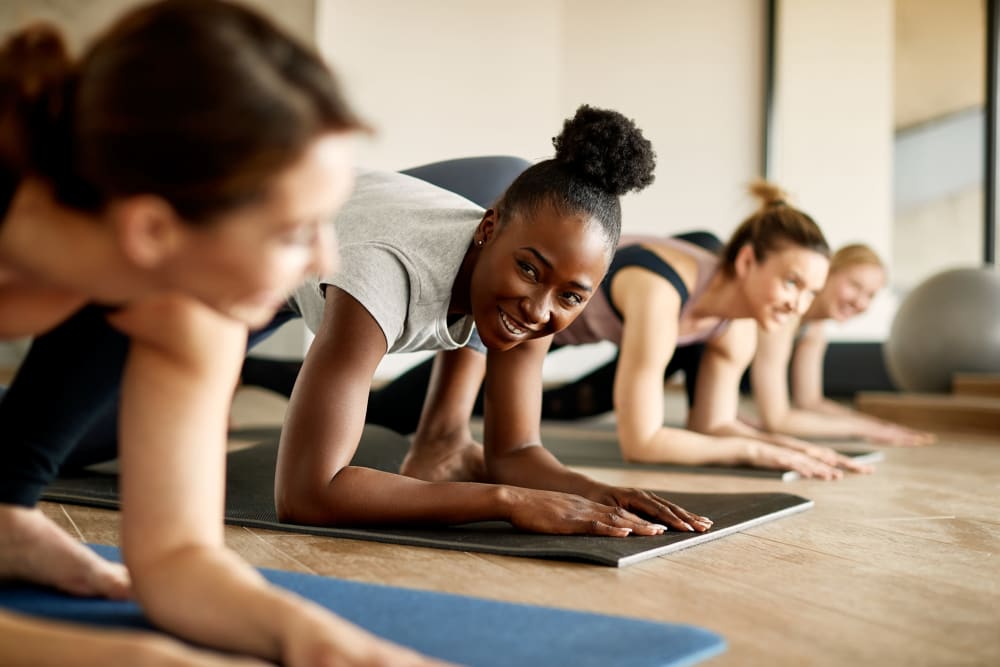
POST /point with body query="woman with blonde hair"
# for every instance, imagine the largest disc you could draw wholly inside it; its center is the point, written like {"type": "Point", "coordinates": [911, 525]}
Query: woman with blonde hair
{"type": "Point", "coordinates": [795, 352]}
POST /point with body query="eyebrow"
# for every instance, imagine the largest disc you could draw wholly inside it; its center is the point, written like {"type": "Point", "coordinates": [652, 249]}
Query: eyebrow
{"type": "Point", "coordinates": [544, 260]}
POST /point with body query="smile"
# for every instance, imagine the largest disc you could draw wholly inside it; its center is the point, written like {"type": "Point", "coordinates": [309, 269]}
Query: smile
{"type": "Point", "coordinates": [510, 326]}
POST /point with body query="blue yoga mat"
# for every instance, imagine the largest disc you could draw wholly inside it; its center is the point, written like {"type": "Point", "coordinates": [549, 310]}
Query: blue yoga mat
{"type": "Point", "coordinates": [465, 630]}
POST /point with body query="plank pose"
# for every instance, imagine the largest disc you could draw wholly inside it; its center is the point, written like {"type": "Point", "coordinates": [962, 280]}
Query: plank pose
{"type": "Point", "coordinates": [421, 267]}
{"type": "Point", "coordinates": [856, 275]}
{"type": "Point", "coordinates": [178, 177]}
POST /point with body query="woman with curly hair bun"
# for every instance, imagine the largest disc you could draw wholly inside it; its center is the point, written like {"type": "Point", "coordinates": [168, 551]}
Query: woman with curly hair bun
{"type": "Point", "coordinates": [686, 303]}
{"type": "Point", "coordinates": [421, 268]}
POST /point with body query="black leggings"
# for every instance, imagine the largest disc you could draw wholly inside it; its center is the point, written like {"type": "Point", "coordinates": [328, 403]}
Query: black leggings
{"type": "Point", "coordinates": [593, 394]}
{"type": "Point", "coordinates": [398, 405]}
{"type": "Point", "coordinates": [61, 410]}
{"type": "Point", "coordinates": [61, 394]}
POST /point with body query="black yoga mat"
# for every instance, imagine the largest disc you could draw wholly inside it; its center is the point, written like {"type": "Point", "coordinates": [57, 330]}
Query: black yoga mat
{"type": "Point", "coordinates": [596, 446]}
{"type": "Point", "coordinates": [250, 502]}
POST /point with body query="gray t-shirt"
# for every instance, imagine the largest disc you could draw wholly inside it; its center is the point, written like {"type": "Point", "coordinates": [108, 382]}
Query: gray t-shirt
{"type": "Point", "coordinates": [402, 241]}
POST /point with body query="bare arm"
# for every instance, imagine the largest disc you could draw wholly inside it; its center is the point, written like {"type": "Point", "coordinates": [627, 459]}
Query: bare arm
{"type": "Point", "coordinates": [716, 403]}
{"type": "Point", "coordinates": [451, 396]}
{"type": "Point", "coordinates": [324, 422]}
{"type": "Point", "coordinates": [443, 448]}
{"type": "Point", "coordinates": [769, 378]}
{"type": "Point", "coordinates": [813, 414]}
{"type": "Point", "coordinates": [514, 454]}
{"type": "Point", "coordinates": [651, 309]}
{"type": "Point", "coordinates": [43, 643]}
{"type": "Point", "coordinates": [179, 379]}
{"type": "Point", "coordinates": [315, 484]}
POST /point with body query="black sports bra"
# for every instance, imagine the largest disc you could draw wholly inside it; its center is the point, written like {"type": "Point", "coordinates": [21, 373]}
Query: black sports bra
{"type": "Point", "coordinates": [636, 255]}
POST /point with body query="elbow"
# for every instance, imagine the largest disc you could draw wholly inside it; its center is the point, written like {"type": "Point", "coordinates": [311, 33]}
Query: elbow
{"type": "Point", "coordinates": [771, 426]}
{"type": "Point", "coordinates": [302, 504]}
{"type": "Point", "coordinates": [644, 450]}
{"type": "Point", "coordinates": [773, 421]}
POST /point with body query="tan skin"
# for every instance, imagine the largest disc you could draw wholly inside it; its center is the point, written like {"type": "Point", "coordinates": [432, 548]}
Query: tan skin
{"type": "Point", "coordinates": [186, 296]}
{"type": "Point", "coordinates": [767, 293]}
{"type": "Point", "coordinates": [522, 281]}
{"type": "Point", "coordinates": [807, 412]}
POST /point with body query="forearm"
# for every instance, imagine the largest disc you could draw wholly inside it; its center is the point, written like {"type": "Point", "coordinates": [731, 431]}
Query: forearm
{"type": "Point", "coordinates": [42, 643]}
{"type": "Point", "coordinates": [534, 467]}
{"type": "Point", "coordinates": [208, 595]}
{"type": "Point", "coordinates": [453, 386]}
{"type": "Point", "coordinates": [751, 434]}
{"type": "Point", "coordinates": [810, 423]}
{"type": "Point", "coordinates": [362, 496]}
{"type": "Point", "coordinates": [686, 447]}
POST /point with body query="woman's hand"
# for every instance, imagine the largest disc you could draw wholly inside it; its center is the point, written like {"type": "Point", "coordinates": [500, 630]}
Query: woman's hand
{"type": "Point", "coordinates": [823, 454]}
{"type": "Point", "coordinates": [650, 504]}
{"type": "Point", "coordinates": [822, 465]}
{"type": "Point", "coordinates": [834, 458]}
{"type": "Point", "coordinates": [559, 513]}
{"type": "Point", "coordinates": [894, 435]}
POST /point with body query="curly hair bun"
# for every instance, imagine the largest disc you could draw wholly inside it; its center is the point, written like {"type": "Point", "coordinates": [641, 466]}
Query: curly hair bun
{"type": "Point", "coordinates": [607, 150]}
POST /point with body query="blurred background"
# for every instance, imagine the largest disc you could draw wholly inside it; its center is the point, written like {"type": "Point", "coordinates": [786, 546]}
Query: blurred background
{"type": "Point", "coordinates": [869, 112]}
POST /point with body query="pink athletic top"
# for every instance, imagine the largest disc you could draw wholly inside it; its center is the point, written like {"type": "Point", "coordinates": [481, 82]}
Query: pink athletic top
{"type": "Point", "coordinates": [599, 321]}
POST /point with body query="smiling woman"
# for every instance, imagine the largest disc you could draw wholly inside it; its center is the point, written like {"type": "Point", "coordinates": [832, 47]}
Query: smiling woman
{"type": "Point", "coordinates": [676, 303]}
{"type": "Point", "coordinates": [856, 275]}
{"type": "Point", "coordinates": [421, 268]}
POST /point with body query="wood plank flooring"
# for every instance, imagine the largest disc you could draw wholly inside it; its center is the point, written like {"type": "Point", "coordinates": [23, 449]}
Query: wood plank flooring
{"type": "Point", "coordinates": [901, 567]}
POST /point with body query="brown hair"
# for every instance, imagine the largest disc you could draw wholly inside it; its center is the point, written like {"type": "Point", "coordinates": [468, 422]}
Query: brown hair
{"type": "Point", "coordinates": [201, 102]}
{"type": "Point", "coordinates": [774, 225]}
{"type": "Point", "coordinates": [854, 254]}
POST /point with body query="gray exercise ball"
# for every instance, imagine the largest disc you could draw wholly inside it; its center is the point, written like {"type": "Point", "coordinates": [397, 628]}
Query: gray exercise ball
{"type": "Point", "coordinates": [948, 324]}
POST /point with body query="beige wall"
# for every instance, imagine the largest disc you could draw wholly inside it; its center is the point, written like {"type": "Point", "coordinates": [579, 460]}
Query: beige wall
{"type": "Point", "coordinates": [451, 78]}
{"type": "Point", "coordinates": [80, 19]}
{"type": "Point", "coordinates": [691, 74]}
{"type": "Point", "coordinates": [834, 122]}
{"type": "Point", "coordinates": [448, 78]}
{"type": "Point", "coordinates": [940, 58]}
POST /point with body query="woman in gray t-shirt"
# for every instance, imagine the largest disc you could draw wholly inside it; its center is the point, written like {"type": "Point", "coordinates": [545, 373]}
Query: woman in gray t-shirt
{"type": "Point", "coordinates": [419, 268]}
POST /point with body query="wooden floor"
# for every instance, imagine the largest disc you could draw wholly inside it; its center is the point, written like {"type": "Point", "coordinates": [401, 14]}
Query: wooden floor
{"type": "Point", "coordinates": [898, 568]}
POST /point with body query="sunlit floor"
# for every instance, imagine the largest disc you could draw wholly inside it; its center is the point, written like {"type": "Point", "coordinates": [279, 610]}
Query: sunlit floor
{"type": "Point", "coordinates": [901, 567]}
